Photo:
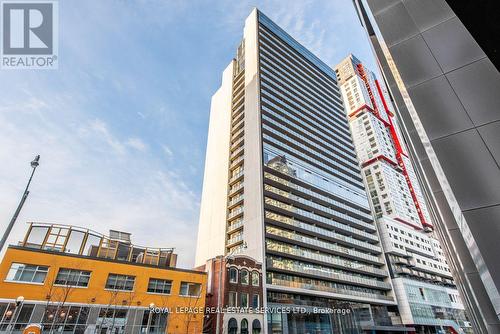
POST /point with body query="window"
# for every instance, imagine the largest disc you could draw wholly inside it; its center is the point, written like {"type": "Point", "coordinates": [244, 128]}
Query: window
{"type": "Point", "coordinates": [244, 300]}
{"type": "Point", "coordinates": [29, 273]}
{"type": "Point", "coordinates": [156, 323]}
{"type": "Point", "coordinates": [244, 276]}
{"type": "Point", "coordinates": [233, 275]}
{"type": "Point", "coordinates": [36, 236]}
{"type": "Point", "coordinates": [190, 289]}
{"type": "Point", "coordinates": [232, 326]}
{"type": "Point", "coordinates": [120, 282]}
{"type": "Point", "coordinates": [74, 242]}
{"type": "Point", "coordinates": [232, 297]}
{"type": "Point", "coordinates": [255, 278]}
{"type": "Point", "coordinates": [72, 319]}
{"type": "Point", "coordinates": [72, 277]}
{"type": "Point", "coordinates": [255, 301]}
{"type": "Point", "coordinates": [244, 326]}
{"type": "Point", "coordinates": [256, 326]}
{"type": "Point", "coordinates": [159, 286]}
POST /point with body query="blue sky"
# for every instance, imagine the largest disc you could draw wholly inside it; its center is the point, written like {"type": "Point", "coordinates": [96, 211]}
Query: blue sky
{"type": "Point", "coordinates": [121, 126]}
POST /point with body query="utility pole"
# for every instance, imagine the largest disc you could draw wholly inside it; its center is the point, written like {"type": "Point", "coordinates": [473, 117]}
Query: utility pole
{"type": "Point", "coordinates": [34, 165]}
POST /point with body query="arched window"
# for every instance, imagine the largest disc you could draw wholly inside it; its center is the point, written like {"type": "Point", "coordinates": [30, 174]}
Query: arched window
{"type": "Point", "coordinates": [244, 276]}
{"type": "Point", "coordinates": [244, 326]}
{"type": "Point", "coordinates": [232, 326]}
{"type": "Point", "coordinates": [255, 278]}
{"type": "Point", "coordinates": [233, 275]}
{"type": "Point", "coordinates": [256, 326]}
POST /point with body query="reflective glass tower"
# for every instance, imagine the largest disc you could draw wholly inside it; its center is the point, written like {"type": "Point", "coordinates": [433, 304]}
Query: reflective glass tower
{"type": "Point", "coordinates": [283, 186]}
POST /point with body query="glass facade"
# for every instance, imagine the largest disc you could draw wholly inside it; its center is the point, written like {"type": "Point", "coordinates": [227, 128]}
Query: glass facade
{"type": "Point", "coordinates": [319, 231]}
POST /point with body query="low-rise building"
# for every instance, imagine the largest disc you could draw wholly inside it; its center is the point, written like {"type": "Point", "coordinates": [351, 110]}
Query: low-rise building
{"type": "Point", "coordinates": [74, 280]}
{"type": "Point", "coordinates": [234, 295]}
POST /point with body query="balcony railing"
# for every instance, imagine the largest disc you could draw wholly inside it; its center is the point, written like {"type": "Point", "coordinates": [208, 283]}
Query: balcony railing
{"type": "Point", "coordinates": [326, 288]}
{"type": "Point", "coordinates": [235, 239]}
{"type": "Point", "coordinates": [318, 272]}
{"type": "Point", "coordinates": [85, 242]}
{"type": "Point", "coordinates": [235, 225]}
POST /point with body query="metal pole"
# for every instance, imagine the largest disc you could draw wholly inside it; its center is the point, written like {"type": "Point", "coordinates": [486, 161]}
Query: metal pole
{"type": "Point", "coordinates": [15, 316]}
{"type": "Point", "coordinates": [149, 321]}
{"type": "Point", "coordinates": [34, 165]}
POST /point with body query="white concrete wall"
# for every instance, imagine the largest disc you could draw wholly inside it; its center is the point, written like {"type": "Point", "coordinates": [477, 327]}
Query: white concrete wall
{"type": "Point", "coordinates": [253, 230]}
{"type": "Point", "coordinates": [212, 223]}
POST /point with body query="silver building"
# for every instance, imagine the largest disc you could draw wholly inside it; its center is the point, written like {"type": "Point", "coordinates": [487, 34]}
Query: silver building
{"type": "Point", "coordinates": [447, 92]}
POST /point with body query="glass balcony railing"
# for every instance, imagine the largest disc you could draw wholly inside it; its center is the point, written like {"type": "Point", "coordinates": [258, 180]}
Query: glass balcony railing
{"type": "Point", "coordinates": [320, 207]}
{"type": "Point", "coordinates": [322, 231]}
{"type": "Point", "coordinates": [235, 225]}
{"type": "Point", "coordinates": [319, 286]}
{"type": "Point", "coordinates": [325, 258]}
{"type": "Point", "coordinates": [317, 195]}
{"type": "Point", "coordinates": [235, 200]}
{"type": "Point", "coordinates": [236, 176]}
{"type": "Point", "coordinates": [325, 273]}
{"type": "Point", "coordinates": [323, 244]}
{"type": "Point", "coordinates": [234, 239]}
{"type": "Point", "coordinates": [235, 212]}
{"type": "Point", "coordinates": [293, 210]}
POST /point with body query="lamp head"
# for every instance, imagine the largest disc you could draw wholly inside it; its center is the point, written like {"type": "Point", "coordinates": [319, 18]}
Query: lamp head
{"type": "Point", "coordinates": [19, 300]}
{"type": "Point", "coordinates": [35, 162]}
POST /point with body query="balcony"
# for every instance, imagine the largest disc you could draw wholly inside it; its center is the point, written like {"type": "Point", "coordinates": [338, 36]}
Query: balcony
{"type": "Point", "coordinates": [235, 188]}
{"type": "Point", "coordinates": [236, 152]}
{"type": "Point", "coordinates": [327, 274]}
{"type": "Point", "coordinates": [236, 239]}
{"type": "Point", "coordinates": [236, 177]}
{"type": "Point", "coordinates": [238, 199]}
{"type": "Point", "coordinates": [235, 225]}
{"type": "Point", "coordinates": [326, 259]}
{"type": "Point", "coordinates": [326, 288]}
{"type": "Point", "coordinates": [235, 213]}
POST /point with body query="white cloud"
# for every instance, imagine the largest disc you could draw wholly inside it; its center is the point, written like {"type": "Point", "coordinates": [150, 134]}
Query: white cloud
{"type": "Point", "coordinates": [137, 144]}
{"type": "Point", "coordinates": [168, 152]}
{"type": "Point", "coordinates": [89, 177]}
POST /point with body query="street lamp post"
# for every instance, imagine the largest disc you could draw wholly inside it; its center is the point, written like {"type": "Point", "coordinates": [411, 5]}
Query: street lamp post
{"type": "Point", "coordinates": [219, 302]}
{"type": "Point", "coordinates": [13, 319]}
{"type": "Point", "coordinates": [34, 165]}
{"type": "Point", "coordinates": [151, 307]}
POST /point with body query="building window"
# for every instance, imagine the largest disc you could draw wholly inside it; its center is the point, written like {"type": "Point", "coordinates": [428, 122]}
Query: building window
{"type": "Point", "coordinates": [190, 289]}
{"type": "Point", "coordinates": [233, 275]}
{"type": "Point", "coordinates": [156, 323]}
{"type": "Point", "coordinates": [244, 276]}
{"type": "Point", "coordinates": [244, 326]}
{"type": "Point", "coordinates": [28, 273]}
{"type": "Point", "coordinates": [256, 326]}
{"type": "Point", "coordinates": [232, 326]}
{"type": "Point", "coordinates": [232, 297]}
{"type": "Point", "coordinates": [255, 278]}
{"type": "Point", "coordinates": [72, 318]}
{"type": "Point", "coordinates": [255, 301]}
{"type": "Point", "coordinates": [159, 286]}
{"type": "Point", "coordinates": [111, 320]}
{"type": "Point", "coordinates": [244, 300]}
{"type": "Point", "coordinates": [120, 282]}
{"type": "Point", "coordinates": [72, 277]}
